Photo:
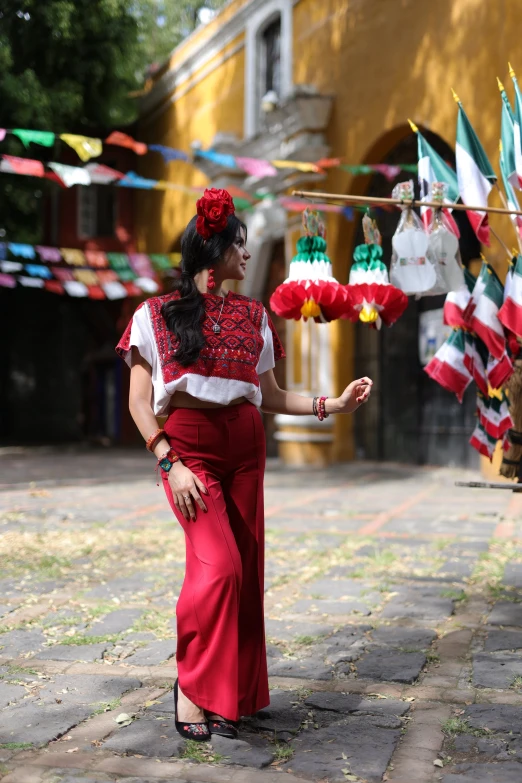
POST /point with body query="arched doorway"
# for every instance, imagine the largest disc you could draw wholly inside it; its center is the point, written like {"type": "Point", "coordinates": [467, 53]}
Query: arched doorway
{"type": "Point", "coordinates": [410, 418]}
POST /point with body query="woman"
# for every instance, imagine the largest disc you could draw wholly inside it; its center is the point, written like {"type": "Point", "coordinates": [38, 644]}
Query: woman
{"type": "Point", "coordinates": [205, 357]}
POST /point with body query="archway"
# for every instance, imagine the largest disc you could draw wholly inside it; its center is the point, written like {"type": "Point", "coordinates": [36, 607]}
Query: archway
{"type": "Point", "coordinates": [411, 418]}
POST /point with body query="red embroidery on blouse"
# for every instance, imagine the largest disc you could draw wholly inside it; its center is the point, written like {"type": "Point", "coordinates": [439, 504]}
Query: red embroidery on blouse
{"type": "Point", "coordinates": [124, 345]}
{"type": "Point", "coordinates": [233, 354]}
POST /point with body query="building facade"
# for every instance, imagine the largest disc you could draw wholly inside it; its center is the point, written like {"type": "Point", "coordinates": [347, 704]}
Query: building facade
{"type": "Point", "coordinates": [60, 380]}
{"type": "Point", "coordinates": [301, 80]}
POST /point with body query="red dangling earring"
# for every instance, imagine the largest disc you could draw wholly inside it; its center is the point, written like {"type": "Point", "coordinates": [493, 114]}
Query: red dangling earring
{"type": "Point", "coordinates": [210, 282]}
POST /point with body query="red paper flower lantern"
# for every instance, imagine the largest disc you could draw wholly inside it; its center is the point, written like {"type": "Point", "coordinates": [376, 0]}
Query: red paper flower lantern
{"type": "Point", "coordinates": [311, 291]}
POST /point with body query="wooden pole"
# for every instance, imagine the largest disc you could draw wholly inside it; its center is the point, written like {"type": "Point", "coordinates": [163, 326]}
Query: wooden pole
{"type": "Point", "coordinates": [352, 199]}
{"type": "Point", "coordinates": [508, 252]}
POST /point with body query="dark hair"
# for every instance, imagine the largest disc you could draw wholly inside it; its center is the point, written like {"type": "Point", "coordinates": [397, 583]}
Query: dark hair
{"type": "Point", "coordinates": [185, 314]}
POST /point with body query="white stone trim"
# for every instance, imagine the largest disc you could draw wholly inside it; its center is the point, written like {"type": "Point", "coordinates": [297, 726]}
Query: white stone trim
{"type": "Point", "coordinates": [257, 21]}
{"type": "Point", "coordinates": [310, 421]}
{"type": "Point", "coordinates": [207, 48]}
{"type": "Point", "coordinates": [304, 437]}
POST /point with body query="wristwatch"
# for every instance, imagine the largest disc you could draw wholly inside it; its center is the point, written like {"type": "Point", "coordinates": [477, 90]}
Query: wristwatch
{"type": "Point", "coordinates": [167, 460]}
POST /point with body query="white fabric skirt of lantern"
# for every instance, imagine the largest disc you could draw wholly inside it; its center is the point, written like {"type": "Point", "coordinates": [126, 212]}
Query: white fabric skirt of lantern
{"type": "Point", "coordinates": [410, 268]}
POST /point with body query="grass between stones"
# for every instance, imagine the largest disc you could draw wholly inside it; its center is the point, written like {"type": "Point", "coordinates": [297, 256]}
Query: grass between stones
{"type": "Point", "coordinates": [105, 706]}
{"type": "Point", "coordinates": [454, 594]}
{"type": "Point", "coordinates": [80, 639]}
{"type": "Point", "coordinates": [157, 622]}
{"type": "Point", "coordinates": [15, 745]}
{"type": "Point", "coordinates": [201, 752]}
{"type": "Point", "coordinates": [490, 566]}
{"type": "Point", "coordinates": [516, 683]}
{"type": "Point", "coordinates": [282, 751]}
{"type": "Point", "coordinates": [451, 727]}
{"type": "Point", "coordinates": [12, 671]}
{"type": "Point", "coordinates": [306, 641]}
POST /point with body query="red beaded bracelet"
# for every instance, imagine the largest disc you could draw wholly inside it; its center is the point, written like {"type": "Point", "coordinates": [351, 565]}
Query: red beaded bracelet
{"type": "Point", "coordinates": [153, 439]}
{"type": "Point", "coordinates": [319, 408]}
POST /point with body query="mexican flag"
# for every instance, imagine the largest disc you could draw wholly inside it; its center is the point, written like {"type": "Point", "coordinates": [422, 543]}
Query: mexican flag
{"type": "Point", "coordinates": [474, 174]}
{"type": "Point", "coordinates": [517, 132]}
{"type": "Point", "coordinates": [433, 168]}
{"type": "Point", "coordinates": [457, 301]}
{"type": "Point", "coordinates": [447, 367]}
{"type": "Point", "coordinates": [510, 313]}
{"type": "Point", "coordinates": [494, 415]}
{"type": "Point", "coordinates": [499, 371]}
{"type": "Point", "coordinates": [507, 158]}
{"type": "Point", "coordinates": [476, 359]}
{"type": "Point", "coordinates": [483, 308]}
{"type": "Point", "coordinates": [482, 442]}
{"type": "Point", "coordinates": [507, 136]}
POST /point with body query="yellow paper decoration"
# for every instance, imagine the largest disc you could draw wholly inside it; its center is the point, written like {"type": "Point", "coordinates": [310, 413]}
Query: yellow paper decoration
{"type": "Point", "coordinates": [72, 256]}
{"type": "Point", "coordinates": [310, 309]}
{"type": "Point", "coordinates": [368, 314]}
{"type": "Point", "coordinates": [85, 146]}
{"type": "Point", "coordinates": [294, 164]}
{"type": "Point", "coordinates": [495, 393]}
{"type": "Point", "coordinates": [86, 276]}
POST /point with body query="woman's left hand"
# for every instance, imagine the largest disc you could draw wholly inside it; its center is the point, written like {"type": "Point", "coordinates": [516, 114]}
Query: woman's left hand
{"type": "Point", "coordinates": [354, 395]}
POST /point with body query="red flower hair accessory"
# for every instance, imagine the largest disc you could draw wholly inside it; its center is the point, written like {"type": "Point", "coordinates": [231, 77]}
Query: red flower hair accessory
{"type": "Point", "coordinates": [213, 209]}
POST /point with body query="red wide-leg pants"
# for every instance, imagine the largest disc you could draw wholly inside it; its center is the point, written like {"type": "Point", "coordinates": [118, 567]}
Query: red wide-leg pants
{"type": "Point", "coordinates": [221, 642]}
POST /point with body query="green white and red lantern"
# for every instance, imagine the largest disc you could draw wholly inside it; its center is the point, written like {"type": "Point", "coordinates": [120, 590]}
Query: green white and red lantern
{"type": "Point", "coordinates": [310, 290]}
{"type": "Point", "coordinates": [373, 300]}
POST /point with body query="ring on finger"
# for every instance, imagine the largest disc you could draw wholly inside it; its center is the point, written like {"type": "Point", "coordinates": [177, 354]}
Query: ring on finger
{"type": "Point", "coordinates": [186, 497]}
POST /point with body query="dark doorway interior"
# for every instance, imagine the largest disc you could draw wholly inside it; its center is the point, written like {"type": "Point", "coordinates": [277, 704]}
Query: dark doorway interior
{"type": "Point", "coordinates": [60, 378]}
{"type": "Point", "coordinates": [411, 418]}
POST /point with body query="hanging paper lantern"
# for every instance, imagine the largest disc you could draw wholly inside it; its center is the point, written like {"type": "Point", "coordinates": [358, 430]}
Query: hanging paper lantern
{"type": "Point", "coordinates": [310, 290]}
{"type": "Point", "coordinates": [410, 269]}
{"type": "Point", "coordinates": [371, 297]}
{"type": "Point", "coordinates": [443, 247]}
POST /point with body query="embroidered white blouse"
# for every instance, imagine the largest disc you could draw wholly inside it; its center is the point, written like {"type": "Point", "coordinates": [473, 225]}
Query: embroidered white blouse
{"type": "Point", "coordinates": [230, 362]}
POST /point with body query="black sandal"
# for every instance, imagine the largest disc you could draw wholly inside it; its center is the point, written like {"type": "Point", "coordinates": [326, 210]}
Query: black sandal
{"type": "Point", "coordinates": [224, 728]}
{"type": "Point", "coordinates": [198, 732]}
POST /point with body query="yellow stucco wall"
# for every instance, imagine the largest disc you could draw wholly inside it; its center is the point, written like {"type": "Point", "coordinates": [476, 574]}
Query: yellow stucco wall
{"type": "Point", "coordinates": [384, 61]}
{"type": "Point", "coordinates": [208, 102]}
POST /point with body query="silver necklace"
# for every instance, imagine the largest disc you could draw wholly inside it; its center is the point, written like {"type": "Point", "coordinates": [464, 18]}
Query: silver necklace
{"type": "Point", "coordinates": [217, 328]}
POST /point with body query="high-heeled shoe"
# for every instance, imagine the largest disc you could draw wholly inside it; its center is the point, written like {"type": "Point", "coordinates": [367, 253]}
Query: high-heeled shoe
{"type": "Point", "coordinates": [199, 732]}
{"type": "Point", "coordinates": [225, 728]}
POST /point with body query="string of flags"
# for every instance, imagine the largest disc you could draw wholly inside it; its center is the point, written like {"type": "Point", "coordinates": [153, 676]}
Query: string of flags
{"type": "Point", "coordinates": [87, 147]}
{"type": "Point", "coordinates": [84, 273]}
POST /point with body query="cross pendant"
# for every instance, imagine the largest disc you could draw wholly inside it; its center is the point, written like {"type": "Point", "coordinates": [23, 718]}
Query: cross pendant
{"type": "Point", "coordinates": [216, 328]}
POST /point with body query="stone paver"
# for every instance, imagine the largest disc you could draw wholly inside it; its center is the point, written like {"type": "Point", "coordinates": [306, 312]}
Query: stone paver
{"type": "Point", "coordinates": [393, 623]}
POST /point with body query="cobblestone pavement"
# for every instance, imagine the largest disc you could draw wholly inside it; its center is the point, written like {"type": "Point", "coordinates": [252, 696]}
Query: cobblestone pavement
{"type": "Point", "coordinates": [394, 614]}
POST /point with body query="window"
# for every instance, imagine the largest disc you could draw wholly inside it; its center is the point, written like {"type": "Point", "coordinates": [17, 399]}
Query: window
{"type": "Point", "coordinates": [96, 211]}
{"type": "Point", "coordinates": [271, 52]}
{"type": "Point", "coordinates": [268, 61]}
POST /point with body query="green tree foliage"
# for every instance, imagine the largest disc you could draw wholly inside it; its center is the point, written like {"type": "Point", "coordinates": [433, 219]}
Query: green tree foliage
{"type": "Point", "coordinates": [163, 24]}
{"type": "Point", "coordinates": [69, 66]}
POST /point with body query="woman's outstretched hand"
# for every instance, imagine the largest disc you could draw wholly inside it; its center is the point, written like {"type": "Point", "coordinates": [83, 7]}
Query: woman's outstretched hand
{"type": "Point", "coordinates": [186, 489]}
{"type": "Point", "coordinates": [354, 395]}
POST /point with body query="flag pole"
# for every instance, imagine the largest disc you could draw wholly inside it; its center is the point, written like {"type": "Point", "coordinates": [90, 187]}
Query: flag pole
{"type": "Point", "coordinates": [363, 200]}
{"type": "Point", "coordinates": [506, 205]}
{"type": "Point", "coordinates": [499, 240]}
